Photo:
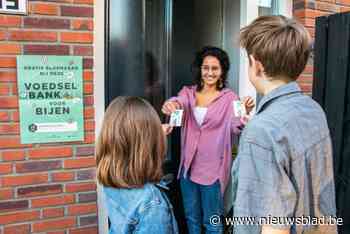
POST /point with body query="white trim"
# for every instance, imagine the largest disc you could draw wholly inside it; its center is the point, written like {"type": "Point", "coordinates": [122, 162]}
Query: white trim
{"type": "Point", "coordinates": [286, 8]}
{"type": "Point", "coordinates": [99, 96]}
{"type": "Point", "coordinates": [249, 11]}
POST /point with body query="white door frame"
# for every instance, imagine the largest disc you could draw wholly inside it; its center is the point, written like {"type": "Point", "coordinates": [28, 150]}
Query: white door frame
{"type": "Point", "coordinates": [99, 95]}
{"type": "Point", "coordinates": [249, 11]}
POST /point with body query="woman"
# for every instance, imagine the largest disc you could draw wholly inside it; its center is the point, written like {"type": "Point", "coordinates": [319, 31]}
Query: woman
{"type": "Point", "coordinates": [208, 125]}
{"type": "Point", "coordinates": [130, 153]}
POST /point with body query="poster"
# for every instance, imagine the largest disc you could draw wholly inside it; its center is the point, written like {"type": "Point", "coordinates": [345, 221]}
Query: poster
{"type": "Point", "coordinates": [50, 92]}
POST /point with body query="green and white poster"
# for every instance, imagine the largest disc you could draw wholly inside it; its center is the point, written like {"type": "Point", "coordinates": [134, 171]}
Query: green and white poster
{"type": "Point", "coordinates": [50, 91]}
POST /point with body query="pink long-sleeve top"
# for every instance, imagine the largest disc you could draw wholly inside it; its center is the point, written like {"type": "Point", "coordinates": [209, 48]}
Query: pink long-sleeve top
{"type": "Point", "coordinates": [206, 150]}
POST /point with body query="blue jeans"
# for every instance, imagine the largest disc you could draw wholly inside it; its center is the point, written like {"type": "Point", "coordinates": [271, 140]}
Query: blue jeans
{"type": "Point", "coordinates": [201, 202]}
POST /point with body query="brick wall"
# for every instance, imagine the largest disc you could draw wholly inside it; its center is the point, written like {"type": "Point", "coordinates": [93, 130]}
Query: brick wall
{"type": "Point", "coordinates": [306, 11]}
{"type": "Point", "coordinates": [46, 188]}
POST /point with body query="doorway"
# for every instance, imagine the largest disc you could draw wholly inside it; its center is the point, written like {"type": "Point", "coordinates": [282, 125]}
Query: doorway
{"type": "Point", "coordinates": [150, 45]}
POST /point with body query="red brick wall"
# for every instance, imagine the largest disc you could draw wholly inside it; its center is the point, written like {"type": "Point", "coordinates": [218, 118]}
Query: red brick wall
{"type": "Point", "coordinates": [306, 11]}
{"type": "Point", "coordinates": [46, 188]}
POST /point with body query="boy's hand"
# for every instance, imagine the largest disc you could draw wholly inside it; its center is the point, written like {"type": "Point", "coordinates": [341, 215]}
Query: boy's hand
{"type": "Point", "coordinates": [248, 103]}
{"type": "Point", "coordinates": [167, 128]}
{"type": "Point", "coordinates": [170, 107]}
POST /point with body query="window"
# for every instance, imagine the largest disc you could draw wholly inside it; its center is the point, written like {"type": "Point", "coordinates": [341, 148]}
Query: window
{"type": "Point", "coordinates": [269, 7]}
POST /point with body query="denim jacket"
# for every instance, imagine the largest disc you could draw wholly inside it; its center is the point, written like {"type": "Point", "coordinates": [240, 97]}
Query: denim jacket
{"type": "Point", "coordinates": [144, 210]}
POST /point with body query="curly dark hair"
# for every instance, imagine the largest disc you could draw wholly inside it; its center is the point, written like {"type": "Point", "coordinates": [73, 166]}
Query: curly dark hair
{"type": "Point", "coordinates": [216, 52]}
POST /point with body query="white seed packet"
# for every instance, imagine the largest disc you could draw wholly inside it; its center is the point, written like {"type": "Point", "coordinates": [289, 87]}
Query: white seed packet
{"type": "Point", "coordinates": [176, 118]}
{"type": "Point", "coordinates": [239, 109]}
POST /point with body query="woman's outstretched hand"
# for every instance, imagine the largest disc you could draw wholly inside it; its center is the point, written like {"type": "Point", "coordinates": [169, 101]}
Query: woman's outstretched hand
{"type": "Point", "coordinates": [170, 107]}
{"type": "Point", "coordinates": [248, 103]}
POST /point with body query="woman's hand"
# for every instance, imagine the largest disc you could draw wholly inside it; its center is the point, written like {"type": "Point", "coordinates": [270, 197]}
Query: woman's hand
{"type": "Point", "coordinates": [248, 103]}
{"type": "Point", "coordinates": [170, 107]}
{"type": "Point", "coordinates": [167, 128]}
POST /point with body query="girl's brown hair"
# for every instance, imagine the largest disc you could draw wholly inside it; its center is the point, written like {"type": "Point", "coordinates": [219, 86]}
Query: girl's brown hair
{"type": "Point", "coordinates": [131, 145]}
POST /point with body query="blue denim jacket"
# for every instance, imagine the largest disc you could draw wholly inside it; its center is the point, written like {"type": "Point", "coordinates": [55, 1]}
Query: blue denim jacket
{"type": "Point", "coordinates": [143, 210]}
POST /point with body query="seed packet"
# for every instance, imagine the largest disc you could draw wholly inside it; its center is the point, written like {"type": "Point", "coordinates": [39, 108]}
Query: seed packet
{"type": "Point", "coordinates": [239, 109]}
{"type": "Point", "coordinates": [176, 118]}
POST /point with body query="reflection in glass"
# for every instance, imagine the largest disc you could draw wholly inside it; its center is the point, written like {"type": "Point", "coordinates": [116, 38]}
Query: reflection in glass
{"type": "Point", "coordinates": [155, 53]}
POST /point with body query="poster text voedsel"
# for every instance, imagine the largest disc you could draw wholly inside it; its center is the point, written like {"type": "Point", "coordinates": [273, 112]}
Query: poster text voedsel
{"type": "Point", "coordinates": [50, 94]}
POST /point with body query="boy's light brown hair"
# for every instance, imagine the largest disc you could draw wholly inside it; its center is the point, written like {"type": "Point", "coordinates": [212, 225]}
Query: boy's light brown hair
{"type": "Point", "coordinates": [131, 145]}
{"type": "Point", "coordinates": [281, 44]}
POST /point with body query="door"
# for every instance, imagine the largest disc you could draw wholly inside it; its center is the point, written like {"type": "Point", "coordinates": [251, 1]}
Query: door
{"type": "Point", "coordinates": [331, 87]}
{"type": "Point", "coordinates": [150, 45]}
{"type": "Point", "coordinates": [137, 50]}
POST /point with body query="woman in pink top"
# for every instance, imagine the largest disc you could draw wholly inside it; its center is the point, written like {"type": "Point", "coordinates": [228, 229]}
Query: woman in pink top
{"type": "Point", "coordinates": [208, 125]}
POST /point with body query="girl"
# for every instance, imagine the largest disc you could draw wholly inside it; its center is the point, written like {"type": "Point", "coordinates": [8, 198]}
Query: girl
{"type": "Point", "coordinates": [209, 122]}
{"type": "Point", "coordinates": [130, 153]}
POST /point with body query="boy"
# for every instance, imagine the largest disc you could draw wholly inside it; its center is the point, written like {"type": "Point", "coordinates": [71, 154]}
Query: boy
{"type": "Point", "coordinates": [284, 166]}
